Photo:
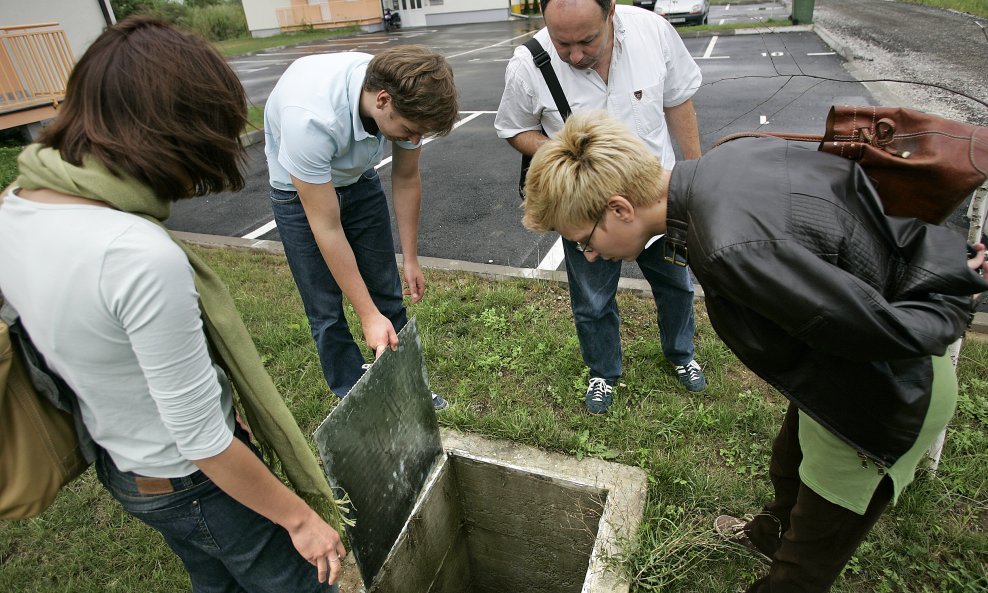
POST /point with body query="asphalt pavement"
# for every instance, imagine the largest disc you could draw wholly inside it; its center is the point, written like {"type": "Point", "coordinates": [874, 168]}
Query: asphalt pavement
{"type": "Point", "coordinates": [781, 79]}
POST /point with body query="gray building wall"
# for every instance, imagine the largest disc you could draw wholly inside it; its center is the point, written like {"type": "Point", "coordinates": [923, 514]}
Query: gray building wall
{"type": "Point", "coordinates": [467, 16]}
{"type": "Point", "coordinates": [82, 20]}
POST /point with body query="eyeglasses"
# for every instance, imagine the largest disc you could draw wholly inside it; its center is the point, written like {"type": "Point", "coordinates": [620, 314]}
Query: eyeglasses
{"type": "Point", "coordinates": [585, 247]}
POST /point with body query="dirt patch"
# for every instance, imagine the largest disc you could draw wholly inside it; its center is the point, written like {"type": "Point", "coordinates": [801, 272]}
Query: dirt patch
{"type": "Point", "coordinates": [349, 580]}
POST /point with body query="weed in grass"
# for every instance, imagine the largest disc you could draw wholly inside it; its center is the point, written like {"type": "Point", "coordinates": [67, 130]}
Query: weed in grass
{"type": "Point", "coordinates": [586, 446]}
{"type": "Point", "coordinates": [677, 551]}
{"type": "Point", "coordinates": [747, 456]}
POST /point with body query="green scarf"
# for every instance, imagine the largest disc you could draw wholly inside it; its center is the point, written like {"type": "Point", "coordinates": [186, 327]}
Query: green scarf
{"type": "Point", "coordinates": [271, 422]}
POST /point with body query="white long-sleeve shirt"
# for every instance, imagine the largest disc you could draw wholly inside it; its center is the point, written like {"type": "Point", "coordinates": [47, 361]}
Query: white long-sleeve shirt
{"type": "Point", "coordinates": [109, 300]}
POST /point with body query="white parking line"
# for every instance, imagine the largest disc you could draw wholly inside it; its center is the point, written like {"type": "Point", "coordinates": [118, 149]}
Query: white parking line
{"type": "Point", "coordinates": [270, 226]}
{"type": "Point", "coordinates": [710, 49]}
{"type": "Point", "coordinates": [499, 43]}
{"type": "Point", "coordinates": [474, 115]}
{"type": "Point", "coordinates": [552, 259]}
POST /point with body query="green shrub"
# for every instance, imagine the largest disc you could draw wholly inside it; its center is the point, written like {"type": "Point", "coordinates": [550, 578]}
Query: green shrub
{"type": "Point", "coordinates": [173, 12]}
{"type": "Point", "coordinates": [216, 22]}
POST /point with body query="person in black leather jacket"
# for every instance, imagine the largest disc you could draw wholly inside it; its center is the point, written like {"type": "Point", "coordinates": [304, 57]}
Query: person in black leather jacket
{"type": "Point", "coordinates": [846, 311]}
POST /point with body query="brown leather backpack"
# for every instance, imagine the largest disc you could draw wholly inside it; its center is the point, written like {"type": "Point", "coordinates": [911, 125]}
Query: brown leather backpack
{"type": "Point", "coordinates": [922, 165]}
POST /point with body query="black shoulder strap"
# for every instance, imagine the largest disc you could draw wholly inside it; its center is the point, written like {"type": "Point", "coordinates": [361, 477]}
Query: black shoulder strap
{"type": "Point", "coordinates": [543, 63]}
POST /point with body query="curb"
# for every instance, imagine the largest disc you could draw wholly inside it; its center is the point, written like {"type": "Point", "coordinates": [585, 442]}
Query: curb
{"type": "Point", "coordinates": [633, 285]}
{"type": "Point", "coordinates": [254, 136]}
{"type": "Point", "coordinates": [746, 31]}
{"type": "Point", "coordinates": [492, 271]}
{"type": "Point", "coordinates": [880, 90]}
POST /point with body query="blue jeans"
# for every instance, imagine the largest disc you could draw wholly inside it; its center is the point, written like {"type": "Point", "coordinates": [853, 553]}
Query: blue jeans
{"type": "Point", "coordinates": [592, 289]}
{"type": "Point", "coordinates": [367, 226]}
{"type": "Point", "coordinates": [226, 547]}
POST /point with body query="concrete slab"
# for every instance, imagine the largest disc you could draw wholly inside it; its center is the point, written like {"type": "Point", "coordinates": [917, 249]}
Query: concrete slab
{"type": "Point", "coordinates": [379, 445]}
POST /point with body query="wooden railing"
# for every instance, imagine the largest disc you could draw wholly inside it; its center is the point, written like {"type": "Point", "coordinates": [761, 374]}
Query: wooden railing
{"type": "Point", "coordinates": [35, 62]}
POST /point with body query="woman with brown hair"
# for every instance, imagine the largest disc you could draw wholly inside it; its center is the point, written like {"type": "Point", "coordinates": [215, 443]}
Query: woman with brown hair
{"type": "Point", "coordinates": [132, 321]}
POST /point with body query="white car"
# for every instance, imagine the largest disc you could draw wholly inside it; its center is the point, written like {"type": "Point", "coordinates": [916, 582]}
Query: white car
{"type": "Point", "coordinates": [683, 12]}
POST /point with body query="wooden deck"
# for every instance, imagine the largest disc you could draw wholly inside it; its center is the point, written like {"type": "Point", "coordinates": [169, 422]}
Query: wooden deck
{"type": "Point", "coordinates": [35, 62]}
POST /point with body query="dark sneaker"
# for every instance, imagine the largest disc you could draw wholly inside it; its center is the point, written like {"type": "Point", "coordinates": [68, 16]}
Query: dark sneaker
{"type": "Point", "coordinates": [438, 403]}
{"type": "Point", "coordinates": [598, 396]}
{"type": "Point", "coordinates": [732, 530]}
{"type": "Point", "coordinates": [691, 376]}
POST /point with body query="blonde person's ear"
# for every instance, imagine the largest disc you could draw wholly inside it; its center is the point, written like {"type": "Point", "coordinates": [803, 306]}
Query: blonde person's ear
{"type": "Point", "coordinates": [623, 209]}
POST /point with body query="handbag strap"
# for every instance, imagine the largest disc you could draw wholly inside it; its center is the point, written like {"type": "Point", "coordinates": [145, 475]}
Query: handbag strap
{"type": "Point", "coordinates": [783, 135]}
{"type": "Point", "coordinates": [544, 63]}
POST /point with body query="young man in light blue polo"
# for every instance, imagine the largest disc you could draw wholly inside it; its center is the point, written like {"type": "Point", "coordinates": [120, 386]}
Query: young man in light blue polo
{"type": "Point", "coordinates": [325, 127]}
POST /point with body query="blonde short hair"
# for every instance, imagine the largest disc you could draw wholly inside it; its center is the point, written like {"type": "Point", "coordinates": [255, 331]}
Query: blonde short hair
{"type": "Point", "coordinates": [592, 159]}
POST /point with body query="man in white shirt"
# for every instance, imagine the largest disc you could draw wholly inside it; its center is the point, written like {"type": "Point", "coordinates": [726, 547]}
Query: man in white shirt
{"type": "Point", "coordinates": [633, 64]}
{"type": "Point", "coordinates": [325, 125]}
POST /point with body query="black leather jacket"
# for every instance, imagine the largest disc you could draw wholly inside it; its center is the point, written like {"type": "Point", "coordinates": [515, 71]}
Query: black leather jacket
{"type": "Point", "coordinates": [836, 305]}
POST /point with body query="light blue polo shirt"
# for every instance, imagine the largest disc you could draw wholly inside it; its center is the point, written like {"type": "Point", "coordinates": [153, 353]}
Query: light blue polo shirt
{"type": "Point", "coordinates": [312, 126]}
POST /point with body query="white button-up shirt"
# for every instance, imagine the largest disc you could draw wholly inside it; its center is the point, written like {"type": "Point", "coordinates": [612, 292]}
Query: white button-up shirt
{"type": "Point", "coordinates": [650, 69]}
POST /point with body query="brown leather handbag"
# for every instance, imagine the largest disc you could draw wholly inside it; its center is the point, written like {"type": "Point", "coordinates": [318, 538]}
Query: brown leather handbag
{"type": "Point", "coordinates": [922, 165]}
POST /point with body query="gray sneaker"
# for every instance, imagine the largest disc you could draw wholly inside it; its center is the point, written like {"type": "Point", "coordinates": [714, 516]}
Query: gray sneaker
{"type": "Point", "coordinates": [598, 397]}
{"type": "Point", "coordinates": [438, 403]}
{"type": "Point", "coordinates": [691, 376]}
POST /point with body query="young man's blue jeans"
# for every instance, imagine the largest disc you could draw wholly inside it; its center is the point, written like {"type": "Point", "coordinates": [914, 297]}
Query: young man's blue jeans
{"type": "Point", "coordinates": [367, 225]}
{"type": "Point", "coordinates": [226, 547]}
{"type": "Point", "coordinates": [593, 287]}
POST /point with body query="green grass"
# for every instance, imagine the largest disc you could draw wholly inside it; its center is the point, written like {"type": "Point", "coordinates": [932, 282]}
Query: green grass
{"type": "Point", "coordinates": [245, 45]}
{"type": "Point", "coordinates": [255, 117]}
{"type": "Point", "coordinates": [506, 356]}
{"type": "Point", "coordinates": [8, 164]}
{"type": "Point", "coordinates": [976, 7]}
{"type": "Point", "coordinates": [735, 25]}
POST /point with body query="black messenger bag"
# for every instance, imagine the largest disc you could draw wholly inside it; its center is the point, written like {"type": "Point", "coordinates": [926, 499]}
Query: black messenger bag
{"type": "Point", "coordinates": [542, 62]}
